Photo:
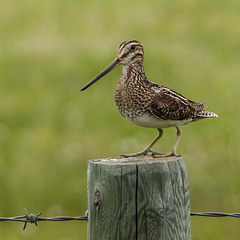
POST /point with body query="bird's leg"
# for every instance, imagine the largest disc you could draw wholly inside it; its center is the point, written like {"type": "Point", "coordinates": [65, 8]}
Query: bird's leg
{"type": "Point", "coordinates": [179, 134]}
{"type": "Point", "coordinates": [174, 151]}
{"type": "Point", "coordinates": [147, 150]}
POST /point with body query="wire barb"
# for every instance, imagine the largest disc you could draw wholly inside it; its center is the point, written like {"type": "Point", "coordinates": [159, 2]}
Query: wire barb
{"type": "Point", "coordinates": [33, 218]}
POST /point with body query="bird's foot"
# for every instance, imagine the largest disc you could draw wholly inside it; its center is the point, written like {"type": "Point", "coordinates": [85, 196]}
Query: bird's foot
{"type": "Point", "coordinates": [151, 153]}
{"type": "Point", "coordinates": [142, 153]}
{"type": "Point", "coordinates": [170, 154]}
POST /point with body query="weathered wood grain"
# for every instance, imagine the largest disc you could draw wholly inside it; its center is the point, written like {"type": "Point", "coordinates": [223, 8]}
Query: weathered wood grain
{"type": "Point", "coordinates": [138, 198]}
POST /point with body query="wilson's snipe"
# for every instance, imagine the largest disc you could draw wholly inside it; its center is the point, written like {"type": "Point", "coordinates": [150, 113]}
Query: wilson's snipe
{"type": "Point", "coordinates": [149, 104]}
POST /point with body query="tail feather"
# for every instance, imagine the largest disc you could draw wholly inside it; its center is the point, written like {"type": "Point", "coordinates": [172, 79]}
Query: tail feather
{"type": "Point", "coordinates": [206, 114]}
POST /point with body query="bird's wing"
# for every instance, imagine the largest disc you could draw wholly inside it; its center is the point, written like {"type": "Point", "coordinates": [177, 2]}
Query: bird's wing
{"type": "Point", "coordinates": [168, 104]}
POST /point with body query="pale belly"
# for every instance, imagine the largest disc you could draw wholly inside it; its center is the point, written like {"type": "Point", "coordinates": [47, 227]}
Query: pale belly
{"type": "Point", "coordinates": [153, 122]}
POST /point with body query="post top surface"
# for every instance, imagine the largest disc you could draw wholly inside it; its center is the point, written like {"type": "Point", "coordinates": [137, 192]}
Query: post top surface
{"type": "Point", "coordinates": [134, 160]}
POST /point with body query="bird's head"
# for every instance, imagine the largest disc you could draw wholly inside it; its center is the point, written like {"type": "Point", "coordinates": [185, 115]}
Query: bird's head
{"type": "Point", "coordinates": [129, 52]}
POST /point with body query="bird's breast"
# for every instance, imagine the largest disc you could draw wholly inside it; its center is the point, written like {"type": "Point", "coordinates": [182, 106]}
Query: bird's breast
{"type": "Point", "coordinates": [131, 101]}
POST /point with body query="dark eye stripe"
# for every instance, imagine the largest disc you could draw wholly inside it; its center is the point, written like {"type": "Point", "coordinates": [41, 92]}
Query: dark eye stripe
{"type": "Point", "coordinates": [137, 55]}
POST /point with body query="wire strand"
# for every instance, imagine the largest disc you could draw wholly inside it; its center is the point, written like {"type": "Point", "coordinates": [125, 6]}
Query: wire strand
{"type": "Point", "coordinates": [32, 218]}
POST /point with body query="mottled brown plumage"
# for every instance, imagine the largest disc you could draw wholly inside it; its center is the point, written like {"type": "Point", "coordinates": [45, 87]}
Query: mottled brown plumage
{"type": "Point", "coordinates": [149, 104]}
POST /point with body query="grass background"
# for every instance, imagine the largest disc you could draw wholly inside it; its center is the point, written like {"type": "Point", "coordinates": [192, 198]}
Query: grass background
{"type": "Point", "coordinates": [49, 129]}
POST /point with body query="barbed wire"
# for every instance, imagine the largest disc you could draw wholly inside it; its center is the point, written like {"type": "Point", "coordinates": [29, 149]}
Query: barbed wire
{"type": "Point", "coordinates": [32, 218]}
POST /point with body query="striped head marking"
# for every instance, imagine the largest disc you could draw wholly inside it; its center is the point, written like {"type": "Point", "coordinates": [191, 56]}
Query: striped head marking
{"type": "Point", "coordinates": [130, 52]}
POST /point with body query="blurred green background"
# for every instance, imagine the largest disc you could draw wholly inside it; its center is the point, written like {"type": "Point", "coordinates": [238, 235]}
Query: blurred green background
{"type": "Point", "coordinates": [49, 129]}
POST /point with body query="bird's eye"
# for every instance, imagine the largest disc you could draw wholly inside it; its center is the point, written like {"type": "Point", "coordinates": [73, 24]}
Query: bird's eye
{"type": "Point", "coordinates": [133, 47]}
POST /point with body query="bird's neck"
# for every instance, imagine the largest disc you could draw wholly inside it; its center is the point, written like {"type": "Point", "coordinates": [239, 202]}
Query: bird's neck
{"type": "Point", "coordinates": [133, 73]}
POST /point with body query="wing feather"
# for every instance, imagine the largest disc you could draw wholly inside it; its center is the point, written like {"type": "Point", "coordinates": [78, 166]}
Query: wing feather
{"type": "Point", "coordinates": [168, 104]}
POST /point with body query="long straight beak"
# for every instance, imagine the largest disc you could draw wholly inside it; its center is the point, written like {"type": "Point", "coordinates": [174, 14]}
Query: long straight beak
{"type": "Point", "coordinates": [114, 64]}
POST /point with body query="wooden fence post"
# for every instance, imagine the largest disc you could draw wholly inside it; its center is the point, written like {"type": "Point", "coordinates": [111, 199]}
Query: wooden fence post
{"type": "Point", "coordinates": [138, 198]}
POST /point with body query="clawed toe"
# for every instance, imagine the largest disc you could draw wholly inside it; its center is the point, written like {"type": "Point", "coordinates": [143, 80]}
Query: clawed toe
{"type": "Point", "coordinates": [143, 153]}
{"type": "Point", "coordinates": [170, 154]}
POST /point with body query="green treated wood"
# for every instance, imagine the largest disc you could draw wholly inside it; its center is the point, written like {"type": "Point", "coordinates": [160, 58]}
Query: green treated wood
{"type": "Point", "coordinates": [140, 198]}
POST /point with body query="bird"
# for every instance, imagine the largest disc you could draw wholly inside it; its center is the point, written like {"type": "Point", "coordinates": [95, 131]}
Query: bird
{"type": "Point", "coordinates": [149, 104]}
